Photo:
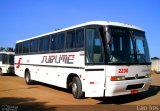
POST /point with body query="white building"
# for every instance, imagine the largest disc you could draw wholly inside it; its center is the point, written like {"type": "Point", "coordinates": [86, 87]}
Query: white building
{"type": "Point", "coordinates": [155, 65]}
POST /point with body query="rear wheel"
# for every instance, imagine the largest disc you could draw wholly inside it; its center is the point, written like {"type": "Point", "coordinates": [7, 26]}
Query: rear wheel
{"type": "Point", "coordinates": [28, 78]}
{"type": "Point", "coordinates": [77, 88]}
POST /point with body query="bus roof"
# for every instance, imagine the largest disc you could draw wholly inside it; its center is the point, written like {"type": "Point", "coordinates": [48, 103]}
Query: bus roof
{"type": "Point", "coordinates": [103, 23]}
{"type": "Point", "coordinates": [8, 53]}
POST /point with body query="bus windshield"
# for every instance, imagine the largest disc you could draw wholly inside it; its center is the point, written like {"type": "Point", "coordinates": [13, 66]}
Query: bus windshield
{"type": "Point", "coordinates": [7, 59]}
{"type": "Point", "coordinates": [127, 46]}
{"type": "Point", "coordinates": [11, 59]}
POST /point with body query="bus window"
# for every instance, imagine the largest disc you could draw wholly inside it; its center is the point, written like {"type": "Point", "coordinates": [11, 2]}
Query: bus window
{"type": "Point", "coordinates": [60, 41]}
{"type": "Point", "coordinates": [26, 47]}
{"type": "Point", "coordinates": [57, 41]}
{"type": "Point", "coordinates": [4, 59]}
{"type": "Point", "coordinates": [70, 39]}
{"type": "Point", "coordinates": [44, 44]}
{"type": "Point", "coordinates": [53, 42]}
{"type": "Point", "coordinates": [20, 48]}
{"type": "Point", "coordinates": [79, 38]}
{"type": "Point", "coordinates": [16, 50]}
{"type": "Point", "coordinates": [94, 47]}
{"type": "Point", "coordinates": [34, 45]}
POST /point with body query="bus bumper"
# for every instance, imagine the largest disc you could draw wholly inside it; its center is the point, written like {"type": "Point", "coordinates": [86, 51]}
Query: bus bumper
{"type": "Point", "coordinates": [127, 87]}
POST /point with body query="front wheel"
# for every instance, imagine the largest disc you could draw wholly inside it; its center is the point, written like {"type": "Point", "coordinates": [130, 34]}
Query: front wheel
{"type": "Point", "coordinates": [28, 78]}
{"type": "Point", "coordinates": [77, 88]}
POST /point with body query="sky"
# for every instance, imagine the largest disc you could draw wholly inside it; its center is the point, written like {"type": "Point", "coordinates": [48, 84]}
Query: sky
{"type": "Point", "coordinates": [22, 19]}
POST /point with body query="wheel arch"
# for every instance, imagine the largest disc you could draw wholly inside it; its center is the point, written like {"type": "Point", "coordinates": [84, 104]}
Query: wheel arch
{"type": "Point", "coordinates": [70, 78]}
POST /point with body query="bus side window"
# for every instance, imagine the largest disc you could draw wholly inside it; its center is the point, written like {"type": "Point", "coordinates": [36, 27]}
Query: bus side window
{"type": "Point", "coordinates": [16, 49]}
{"type": "Point", "coordinates": [44, 44]}
{"type": "Point", "coordinates": [53, 42]}
{"type": "Point", "coordinates": [26, 47]}
{"type": "Point", "coordinates": [70, 39]}
{"type": "Point", "coordinates": [79, 38]}
{"type": "Point", "coordinates": [34, 45]}
{"type": "Point", "coordinates": [57, 41]}
{"type": "Point", "coordinates": [60, 41]}
{"type": "Point", "coordinates": [20, 48]}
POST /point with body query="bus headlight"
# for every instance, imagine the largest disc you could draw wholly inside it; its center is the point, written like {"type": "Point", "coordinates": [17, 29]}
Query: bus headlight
{"type": "Point", "coordinates": [148, 75]}
{"type": "Point", "coordinates": [117, 78]}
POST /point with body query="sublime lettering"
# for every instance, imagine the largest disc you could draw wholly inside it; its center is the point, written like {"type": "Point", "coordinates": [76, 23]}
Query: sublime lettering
{"type": "Point", "coordinates": [67, 59]}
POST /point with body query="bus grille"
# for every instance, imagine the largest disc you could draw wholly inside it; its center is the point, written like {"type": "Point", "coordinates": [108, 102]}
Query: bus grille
{"type": "Point", "coordinates": [131, 78]}
{"type": "Point", "coordinates": [134, 86]}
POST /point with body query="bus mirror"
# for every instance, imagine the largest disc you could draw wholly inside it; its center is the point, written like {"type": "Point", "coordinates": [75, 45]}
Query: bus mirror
{"type": "Point", "coordinates": [108, 37]}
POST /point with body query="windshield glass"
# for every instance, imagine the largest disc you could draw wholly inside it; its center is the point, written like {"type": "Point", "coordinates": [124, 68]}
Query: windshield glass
{"type": "Point", "coordinates": [4, 59]}
{"type": "Point", "coordinates": [142, 52]}
{"type": "Point", "coordinates": [11, 59]}
{"type": "Point", "coordinates": [7, 59]}
{"type": "Point", "coordinates": [127, 46]}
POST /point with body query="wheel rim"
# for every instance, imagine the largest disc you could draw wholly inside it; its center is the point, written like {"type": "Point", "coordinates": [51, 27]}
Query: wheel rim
{"type": "Point", "coordinates": [74, 88]}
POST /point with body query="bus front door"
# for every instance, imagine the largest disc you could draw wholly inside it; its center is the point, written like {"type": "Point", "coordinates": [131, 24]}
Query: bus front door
{"type": "Point", "coordinates": [94, 64]}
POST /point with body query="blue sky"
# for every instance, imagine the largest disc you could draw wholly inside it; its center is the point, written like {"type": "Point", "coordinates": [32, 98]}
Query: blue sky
{"type": "Point", "coordinates": [21, 19]}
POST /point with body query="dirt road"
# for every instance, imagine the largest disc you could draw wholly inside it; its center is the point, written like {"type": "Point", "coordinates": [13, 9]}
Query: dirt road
{"type": "Point", "coordinates": [14, 92]}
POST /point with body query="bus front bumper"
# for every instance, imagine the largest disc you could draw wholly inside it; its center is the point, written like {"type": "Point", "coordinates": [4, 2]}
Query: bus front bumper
{"type": "Point", "coordinates": [127, 87]}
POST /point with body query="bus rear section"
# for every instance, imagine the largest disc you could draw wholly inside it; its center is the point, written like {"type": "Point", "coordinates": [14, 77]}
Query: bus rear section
{"type": "Point", "coordinates": [6, 62]}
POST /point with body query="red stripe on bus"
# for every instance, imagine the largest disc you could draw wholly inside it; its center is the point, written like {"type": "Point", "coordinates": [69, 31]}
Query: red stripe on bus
{"type": "Point", "coordinates": [91, 82]}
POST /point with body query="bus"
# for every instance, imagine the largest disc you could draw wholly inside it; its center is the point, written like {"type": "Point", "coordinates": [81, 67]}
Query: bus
{"type": "Point", "coordinates": [93, 59]}
{"type": "Point", "coordinates": [6, 62]}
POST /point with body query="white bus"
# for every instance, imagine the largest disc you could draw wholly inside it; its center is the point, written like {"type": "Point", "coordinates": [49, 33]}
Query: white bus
{"type": "Point", "coordinates": [6, 62]}
{"type": "Point", "coordinates": [94, 59]}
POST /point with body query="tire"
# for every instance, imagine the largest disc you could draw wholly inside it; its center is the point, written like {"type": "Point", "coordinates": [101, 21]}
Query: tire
{"type": "Point", "coordinates": [28, 78]}
{"type": "Point", "coordinates": [77, 88]}
{"type": "Point", "coordinates": [1, 73]}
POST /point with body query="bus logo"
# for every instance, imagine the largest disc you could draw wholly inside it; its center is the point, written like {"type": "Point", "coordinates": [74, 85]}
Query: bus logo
{"type": "Point", "coordinates": [19, 62]}
{"type": "Point", "coordinates": [136, 76]}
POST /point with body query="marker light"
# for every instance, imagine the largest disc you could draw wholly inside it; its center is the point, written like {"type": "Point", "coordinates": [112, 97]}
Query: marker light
{"type": "Point", "coordinates": [117, 78]}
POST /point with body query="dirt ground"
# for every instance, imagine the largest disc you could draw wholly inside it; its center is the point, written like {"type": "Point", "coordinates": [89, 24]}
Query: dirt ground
{"type": "Point", "coordinates": [16, 95]}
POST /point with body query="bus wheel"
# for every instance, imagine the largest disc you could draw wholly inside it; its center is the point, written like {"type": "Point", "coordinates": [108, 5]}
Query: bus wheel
{"type": "Point", "coordinates": [1, 73]}
{"type": "Point", "coordinates": [77, 88]}
{"type": "Point", "coordinates": [28, 78]}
